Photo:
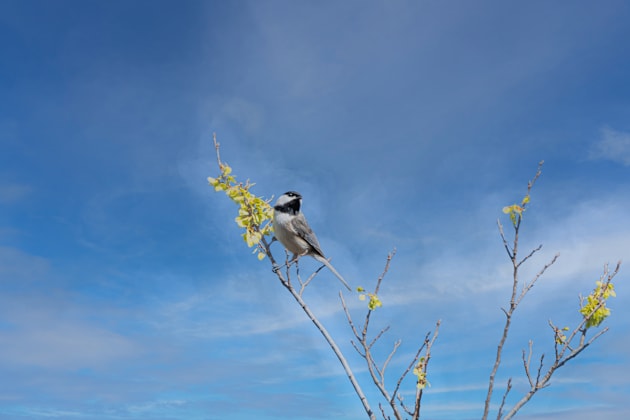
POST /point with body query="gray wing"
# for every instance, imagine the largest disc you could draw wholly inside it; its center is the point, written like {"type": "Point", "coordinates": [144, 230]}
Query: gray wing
{"type": "Point", "coordinates": [305, 232]}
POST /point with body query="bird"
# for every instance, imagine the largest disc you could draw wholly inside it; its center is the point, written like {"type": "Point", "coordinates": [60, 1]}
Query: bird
{"type": "Point", "coordinates": [292, 230]}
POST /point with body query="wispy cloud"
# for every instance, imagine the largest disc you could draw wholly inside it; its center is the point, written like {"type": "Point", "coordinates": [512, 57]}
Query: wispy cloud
{"type": "Point", "coordinates": [13, 192]}
{"type": "Point", "coordinates": [18, 267]}
{"type": "Point", "coordinates": [32, 412]}
{"type": "Point", "coordinates": [612, 145]}
{"type": "Point", "coordinates": [56, 346]}
{"type": "Point", "coordinates": [196, 315]}
{"type": "Point", "coordinates": [41, 335]}
{"type": "Point", "coordinates": [125, 288]}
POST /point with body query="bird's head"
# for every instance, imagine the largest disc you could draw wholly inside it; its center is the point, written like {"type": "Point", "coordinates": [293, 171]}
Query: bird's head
{"type": "Point", "coordinates": [289, 202]}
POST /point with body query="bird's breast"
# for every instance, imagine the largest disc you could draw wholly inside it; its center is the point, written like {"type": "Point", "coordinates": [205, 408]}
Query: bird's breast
{"type": "Point", "coordinates": [286, 234]}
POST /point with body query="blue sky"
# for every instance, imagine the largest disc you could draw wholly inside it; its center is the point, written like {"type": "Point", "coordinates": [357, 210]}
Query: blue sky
{"type": "Point", "coordinates": [126, 291]}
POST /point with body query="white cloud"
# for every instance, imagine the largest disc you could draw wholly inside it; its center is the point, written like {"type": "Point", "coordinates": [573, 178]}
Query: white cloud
{"type": "Point", "coordinates": [589, 235]}
{"type": "Point", "coordinates": [613, 145]}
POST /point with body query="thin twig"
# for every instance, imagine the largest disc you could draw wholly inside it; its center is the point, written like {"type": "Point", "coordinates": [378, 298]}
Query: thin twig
{"type": "Point", "coordinates": [349, 318]}
{"type": "Point", "coordinates": [527, 362]}
{"type": "Point", "coordinates": [389, 358]}
{"type": "Point", "coordinates": [376, 373]}
{"type": "Point", "coordinates": [308, 280]}
{"type": "Point", "coordinates": [563, 344]}
{"type": "Point", "coordinates": [285, 280]}
{"type": "Point", "coordinates": [332, 344]}
{"type": "Point", "coordinates": [528, 286]}
{"type": "Point", "coordinates": [216, 148]}
{"type": "Point", "coordinates": [378, 336]}
{"type": "Point", "coordinates": [410, 366]}
{"type": "Point", "coordinates": [531, 254]}
{"type": "Point", "coordinates": [385, 416]}
{"type": "Point", "coordinates": [514, 301]}
{"type": "Point", "coordinates": [357, 348]}
{"type": "Point", "coordinates": [427, 358]}
{"type": "Point", "coordinates": [298, 297]}
{"type": "Point", "coordinates": [540, 366]}
{"type": "Point", "coordinates": [402, 404]}
{"type": "Point", "coordinates": [505, 394]}
{"type": "Point", "coordinates": [505, 242]}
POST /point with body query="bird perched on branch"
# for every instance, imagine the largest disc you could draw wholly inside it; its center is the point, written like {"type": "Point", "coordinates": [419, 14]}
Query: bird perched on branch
{"type": "Point", "coordinates": [293, 231]}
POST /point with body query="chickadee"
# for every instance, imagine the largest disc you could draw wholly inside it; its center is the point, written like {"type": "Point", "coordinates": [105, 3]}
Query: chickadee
{"type": "Point", "coordinates": [293, 231]}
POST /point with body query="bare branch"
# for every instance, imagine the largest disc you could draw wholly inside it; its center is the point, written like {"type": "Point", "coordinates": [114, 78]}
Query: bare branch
{"type": "Point", "coordinates": [562, 344]}
{"type": "Point", "coordinates": [357, 348]}
{"type": "Point", "coordinates": [389, 358]}
{"type": "Point", "coordinates": [559, 339]}
{"type": "Point", "coordinates": [385, 416]}
{"type": "Point", "coordinates": [335, 349]}
{"type": "Point", "coordinates": [402, 404]}
{"type": "Point", "coordinates": [376, 374]}
{"type": "Point", "coordinates": [540, 366]}
{"type": "Point", "coordinates": [507, 391]}
{"type": "Point", "coordinates": [505, 242]}
{"type": "Point", "coordinates": [533, 251]}
{"type": "Point", "coordinates": [297, 295]}
{"type": "Point", "coordinates": [497, 362]}
{"type": "Point", "coordinates": [566, 348]}
{"type": "Point", "coordinates": [378, 336]}
{"type": "Point", "coordinates": [528, 286]}
{"type": "Point", "coordinates": [385, 270]}
{"type": "Point", "coordinates": [216, 148]}
{"type": "Point", "coordinates": [348, 317]}
{"type": "Point", "coordinates": [364, 348]}
{"type": "Point", "coordinates": [581, 347]}
{"type": "Point", "coordinates": [538, 172]}
{"type": "Point", "coordinates": [411, 365]}
{"type": "Point", "coordinates": [427, 358]}
{"type": "Point", "coordinates": [527, 363]}
{"type": "Point", "coordinates": [514, 301]}
{"type": "Point", "coordinates": [308, 280]}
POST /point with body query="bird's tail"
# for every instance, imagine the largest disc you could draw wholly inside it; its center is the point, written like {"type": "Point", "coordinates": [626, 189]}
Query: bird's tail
{"type": "Point", "coordinates": [331, 268]}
